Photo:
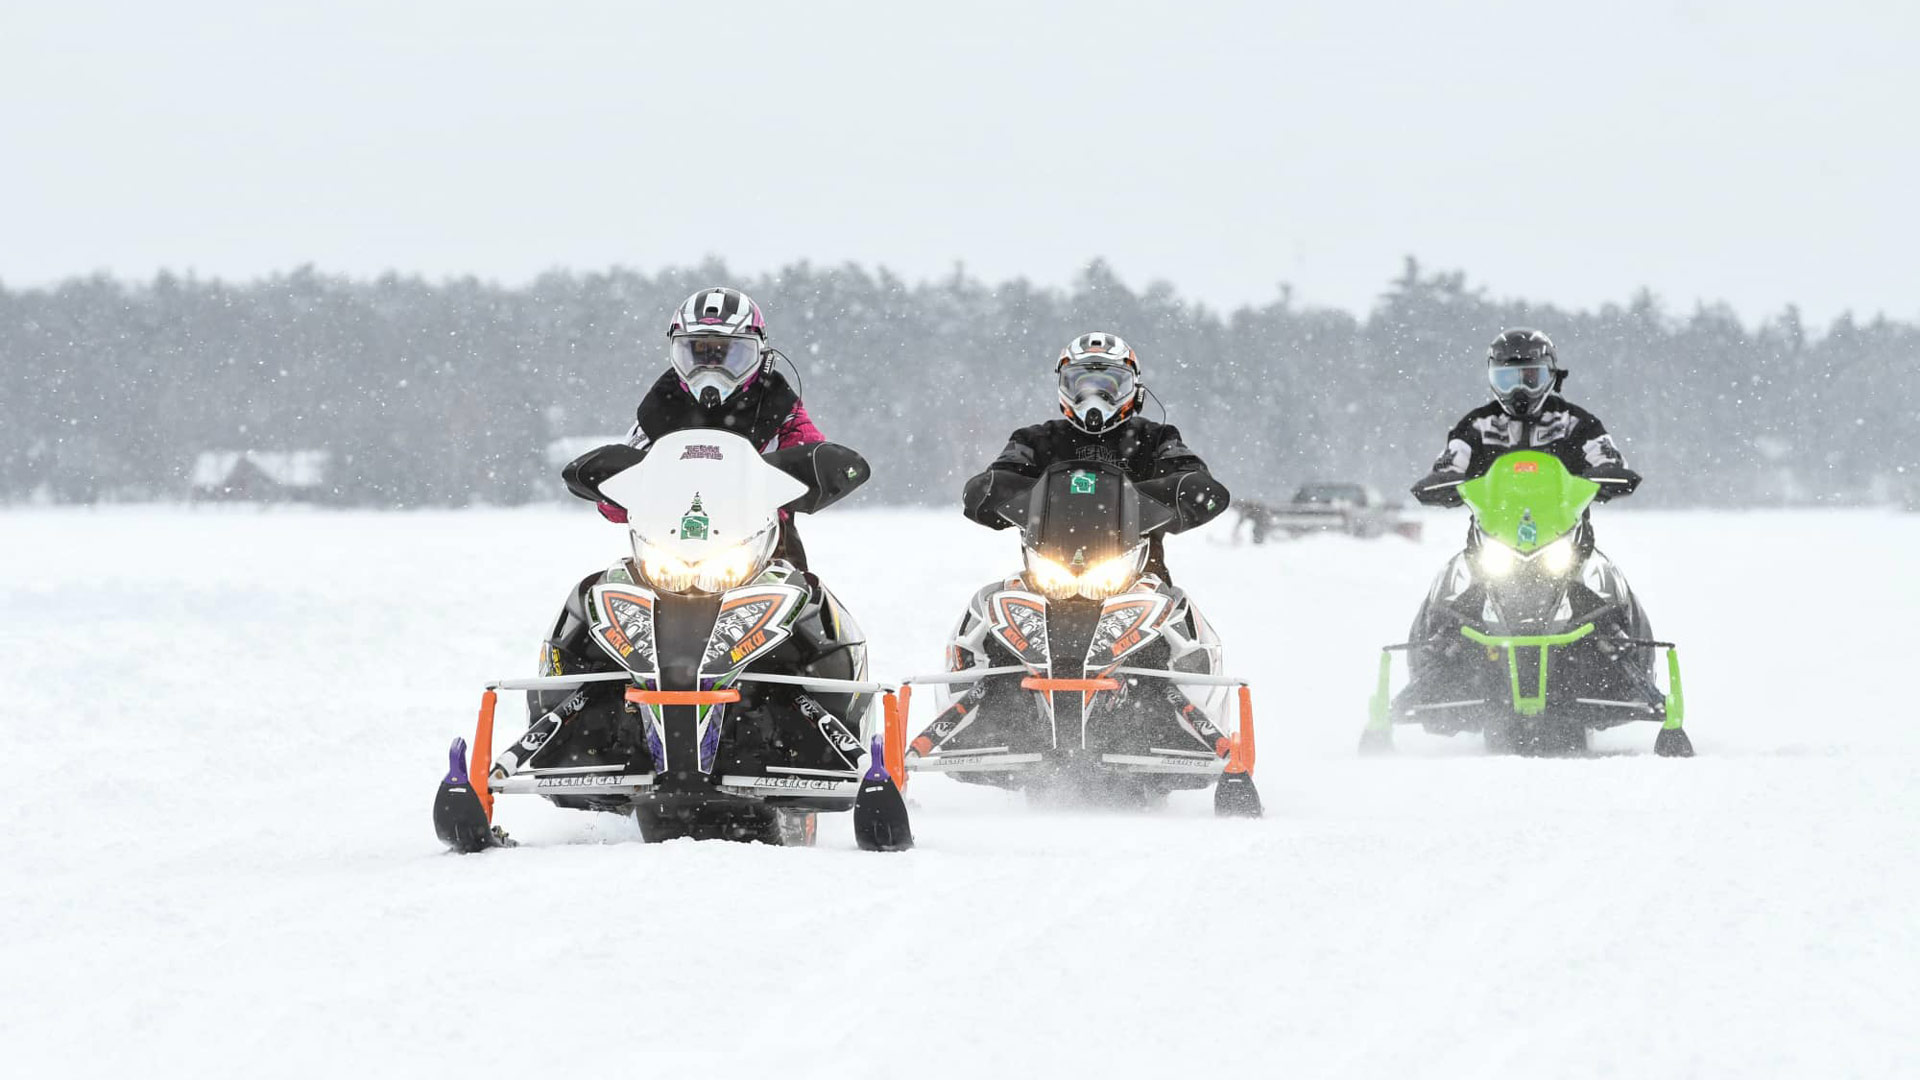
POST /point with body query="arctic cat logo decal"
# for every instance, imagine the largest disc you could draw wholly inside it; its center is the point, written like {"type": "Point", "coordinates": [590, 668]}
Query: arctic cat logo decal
{"type": "Point", "coordinates": [1127, 622]}
{"type": "Point", "coordinates": [748, 646]}
{"type": "Point", "coordinates": [1020, 622]}
{"type": "Point", "coordinates": [693, 524]}
{"type": "Point", "coordinates": [623, 624]}
{"type": "Point", "coordinates": [796, 783]}
{"type": "Point", "coordinates": [701, 452]}
{"type": "Point", "coordinates": [1081, 482]}
{"type": "Point", "coordinates": [1526, 466]}
{"type": "Point", "coordinates": [576, 781]}
{"type": "Point", "coordinates": [752, 621]}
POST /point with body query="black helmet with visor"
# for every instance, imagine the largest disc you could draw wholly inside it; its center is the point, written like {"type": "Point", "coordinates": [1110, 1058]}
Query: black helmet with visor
{"type": "Point", "coordinates": [1523, 371]}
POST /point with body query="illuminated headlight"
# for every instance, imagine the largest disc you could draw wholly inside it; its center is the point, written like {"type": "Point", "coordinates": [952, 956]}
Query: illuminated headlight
{"type": "Point", "coordinates": [1496, 559]}
{"type": "Point", "coordinates": [1557, 557]}
{"type": "Point", "coordinates": [1109, 578]}
{"type": "Point", "coordinates": [725, 569]}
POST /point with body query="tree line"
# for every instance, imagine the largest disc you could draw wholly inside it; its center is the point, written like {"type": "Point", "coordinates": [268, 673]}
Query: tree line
{"type": "Point", "coordinates": [449, 393]}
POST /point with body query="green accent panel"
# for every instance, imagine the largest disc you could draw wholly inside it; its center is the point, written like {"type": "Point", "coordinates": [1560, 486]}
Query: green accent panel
{"type": "Point", "coordinates": [1536, 703]}
{"type": "Point", "coordinates": [1378, 717]}
{"type": "Point", "coordinates": [1528, 499]}
{"type": "Point", "coordinates": [1676, 698]}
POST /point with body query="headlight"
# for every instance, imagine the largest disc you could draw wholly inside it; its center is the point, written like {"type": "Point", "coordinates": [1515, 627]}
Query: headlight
{"type": "Point", "coordinates": [1108, 578]}
{"type": "Point", "coordinates": [1496, 559]}
{"type": "Point", "coordinates": [1557, 557]}
{"type": "Point", "coordinates": [724, 569]}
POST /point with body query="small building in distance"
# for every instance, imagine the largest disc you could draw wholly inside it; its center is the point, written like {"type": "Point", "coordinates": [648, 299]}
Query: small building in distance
{"type": "Point", "coordinates": [262, 476]}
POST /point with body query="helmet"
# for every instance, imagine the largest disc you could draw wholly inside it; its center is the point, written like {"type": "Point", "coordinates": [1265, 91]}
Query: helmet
{"type": "Point", "coordinates": [1099, 381]}
{"type": "Point", "coordinates": [1523, 370]}
{"type": "Point", "coordinates": [717, 343]}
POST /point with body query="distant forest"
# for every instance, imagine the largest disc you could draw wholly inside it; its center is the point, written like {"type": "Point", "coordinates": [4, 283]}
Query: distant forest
{"type": "Point", "coordinates": [412, 393]}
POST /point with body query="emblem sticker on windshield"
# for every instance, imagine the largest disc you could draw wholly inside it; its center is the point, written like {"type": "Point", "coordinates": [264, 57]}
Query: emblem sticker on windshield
{"type": "Point", "coordinates": [693, 524]}
{"type": "Point", "coordinates": [1081, 482]}
{"type": "Point", "coordinates": [1529, 532]}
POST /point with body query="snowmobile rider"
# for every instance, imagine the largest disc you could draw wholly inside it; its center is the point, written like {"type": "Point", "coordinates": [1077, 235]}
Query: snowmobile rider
{"type": "Point", "coordinates": [1527, 413]}
{"type": "Point", "coordinates": [721, 376]}
{"type": "Point", "coordinates": [1100, 397]}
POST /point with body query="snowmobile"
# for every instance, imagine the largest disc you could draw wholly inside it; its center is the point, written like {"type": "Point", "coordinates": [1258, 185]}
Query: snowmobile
{"type": "Point", "coordinates": [1530, 636]}
{"type": "Point", "coordinates": [716, 691]}
{"type": "Point", "coordinates": [1069, 681]}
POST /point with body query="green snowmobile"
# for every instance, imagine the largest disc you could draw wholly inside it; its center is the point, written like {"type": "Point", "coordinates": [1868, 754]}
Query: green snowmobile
{"type": "Point", "coordinates": [1530, 636]}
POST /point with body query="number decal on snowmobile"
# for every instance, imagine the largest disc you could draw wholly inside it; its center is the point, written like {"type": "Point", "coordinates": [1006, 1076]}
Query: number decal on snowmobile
{"type": "Point", "coordinates": [1020, 622]}
{"type": "Point", "coordinates": [623, 625]}
{"type": "Point", "coordinates": [1127, 623]}
{"type": "Point", "coordinates": [752, 621]}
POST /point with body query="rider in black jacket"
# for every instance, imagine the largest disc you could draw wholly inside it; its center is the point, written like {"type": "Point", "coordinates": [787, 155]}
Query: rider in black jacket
{"type": "Point", "coordinates": [1527, 413]}
{"type": "Point", "coordinates": [1100, 395]}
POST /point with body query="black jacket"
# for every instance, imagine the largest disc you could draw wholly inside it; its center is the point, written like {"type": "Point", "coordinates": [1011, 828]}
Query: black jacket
{"type": "Point", "coordinates": [766, 413]}
{"type": "Point", "coordinates": [1150, 452]}
{"type": "Point", "coordinates": [1563, 429]}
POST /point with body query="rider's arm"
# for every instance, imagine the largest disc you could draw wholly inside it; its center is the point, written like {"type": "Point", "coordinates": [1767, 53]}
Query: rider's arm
{"type": "Point", "coordinates": [1010, 473]}
{"type": "Point", "coordinates": [1604, 464]}
{"type": "Point", "coordinates": [798, 429]}
{"type": "Point", "coordinates": [1182, 481]}
{"type": "Point", "coordinates": [1441, 487]}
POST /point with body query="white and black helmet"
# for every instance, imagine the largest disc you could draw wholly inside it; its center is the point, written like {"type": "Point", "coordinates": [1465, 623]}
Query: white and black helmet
{"type": "Point", "coordinates": [1099, 381]}
{"type": "Point", "coordinates": [717, 342]}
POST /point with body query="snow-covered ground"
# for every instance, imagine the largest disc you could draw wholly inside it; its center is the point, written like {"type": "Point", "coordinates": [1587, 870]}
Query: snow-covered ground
{"type": "Point", "coordinates": [225, 728]}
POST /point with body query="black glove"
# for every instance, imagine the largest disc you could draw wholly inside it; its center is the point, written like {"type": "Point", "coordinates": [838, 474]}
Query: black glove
{"type": "Point", "coordinates": [990, 493]}
{"type": "Point", "coordinates": [1615, 481]}
{"type": "Point", "coordinates": [1439, 489]}
{"type": "Point", "coordinates": [1195, 498]}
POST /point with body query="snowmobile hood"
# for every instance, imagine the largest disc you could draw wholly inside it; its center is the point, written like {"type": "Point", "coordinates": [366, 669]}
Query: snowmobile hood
{"type": "Point", "coordinates": [700, 492]}
{"type": "Point", "coordinates": [1527, 500]}
{"type": "Point", "coordinates": [1082, 513]}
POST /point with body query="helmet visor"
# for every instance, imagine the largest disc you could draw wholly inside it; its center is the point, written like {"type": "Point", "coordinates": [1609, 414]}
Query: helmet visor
{"type": "Point", "coordinates": [1507, 378]}
{"type": "Point", "coordinates": [1112, 382]}
{"type": "Point", "coordinates": [722, 354]}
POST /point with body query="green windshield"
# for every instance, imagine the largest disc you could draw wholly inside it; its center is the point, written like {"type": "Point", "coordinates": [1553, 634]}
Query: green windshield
{"type": "Point", "coordinates": [1527, 499]}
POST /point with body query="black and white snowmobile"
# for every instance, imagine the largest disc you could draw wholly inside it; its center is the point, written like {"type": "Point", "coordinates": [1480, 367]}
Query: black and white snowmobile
{"type": "Point", "coordinates": [1071, 680]}
{"type": "Point", "coordinates": [702, 684]}
{"type": "Point", "coordinates": [1530, 636]}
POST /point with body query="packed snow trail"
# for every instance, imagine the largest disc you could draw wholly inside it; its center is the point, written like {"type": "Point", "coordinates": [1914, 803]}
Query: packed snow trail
{"type": "Point", "coordinates": [226, 727]}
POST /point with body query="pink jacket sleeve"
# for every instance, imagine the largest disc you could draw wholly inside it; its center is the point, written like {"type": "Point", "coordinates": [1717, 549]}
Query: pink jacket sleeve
{"type": "Point", "coordinates": [799, 429]}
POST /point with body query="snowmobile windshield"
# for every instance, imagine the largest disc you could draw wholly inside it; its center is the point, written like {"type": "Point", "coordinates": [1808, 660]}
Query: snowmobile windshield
{"type": "Point", "coordinates": [1506, 378]}
{"type": "Point", "coordinates": [1527, 500]}
{"type": "Point", "coordinates": [1080, 514]}
{"type": "Point", "coordinates": [735, 358]}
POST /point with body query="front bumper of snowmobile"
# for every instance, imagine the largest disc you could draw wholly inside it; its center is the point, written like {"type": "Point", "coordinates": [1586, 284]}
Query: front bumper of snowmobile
{"type": "Point", "coordinates": [1229, 767]}
{"type": "Point", "coordinates": [1531, 694]}
{"type": "Point", "coordinates": [463, 810]}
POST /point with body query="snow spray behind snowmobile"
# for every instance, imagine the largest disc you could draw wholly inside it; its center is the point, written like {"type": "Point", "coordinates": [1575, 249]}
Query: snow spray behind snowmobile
{"type": "Point", "coordinates": [734, 686]}
{"type": "Point", "coordinates": [1071, 680]}
{"type": "Point", "coordinates": [1530, 636]}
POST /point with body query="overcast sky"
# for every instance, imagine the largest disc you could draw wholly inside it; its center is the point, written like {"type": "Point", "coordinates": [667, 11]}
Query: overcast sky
{"type": "Point", "coordinates": [1761, 153]}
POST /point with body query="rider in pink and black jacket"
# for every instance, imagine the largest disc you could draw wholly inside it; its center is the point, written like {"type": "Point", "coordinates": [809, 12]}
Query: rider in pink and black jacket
{"type": "Point", "coordinates": [722, 377]}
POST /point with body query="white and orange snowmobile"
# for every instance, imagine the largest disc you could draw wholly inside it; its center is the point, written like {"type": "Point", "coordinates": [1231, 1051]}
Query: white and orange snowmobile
{"type": "Point", "coordinates": [1086, 678]}
{"type": "Point", "coordinates": [702, 684]}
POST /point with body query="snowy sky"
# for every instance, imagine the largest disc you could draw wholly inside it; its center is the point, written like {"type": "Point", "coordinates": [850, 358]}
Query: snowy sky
{"type": "Point", "coordinates": [1756, 152]}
